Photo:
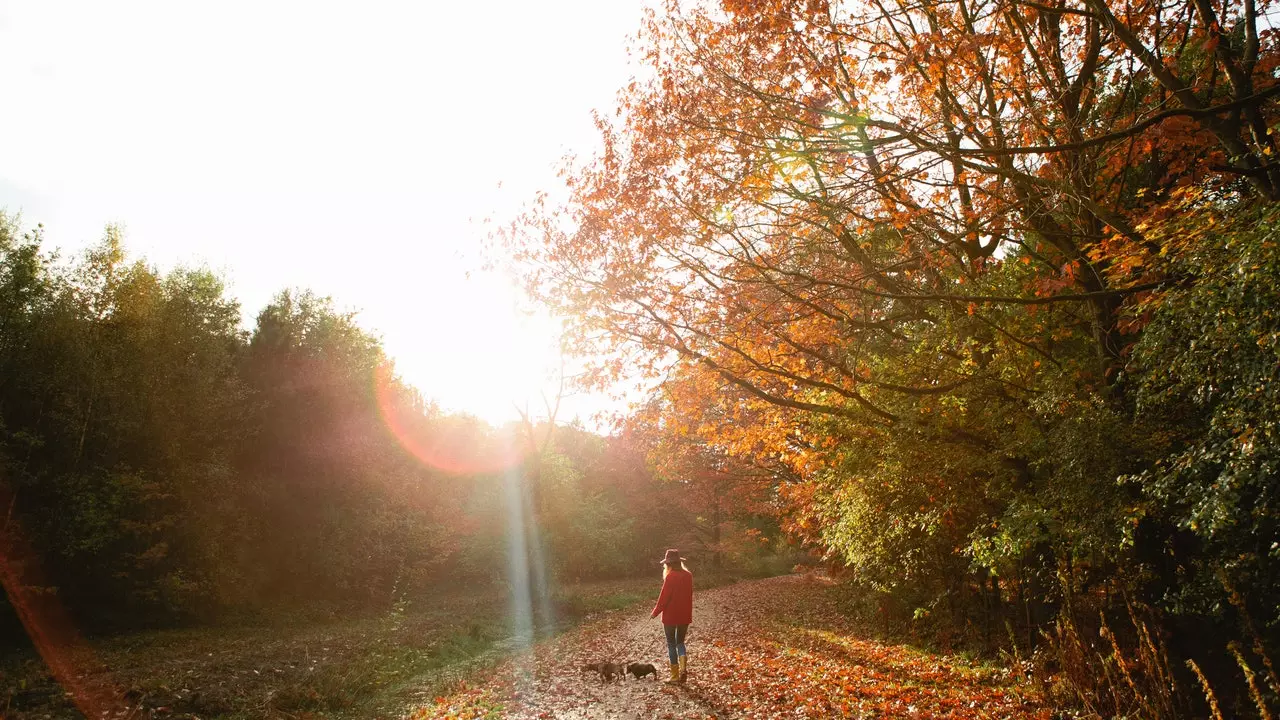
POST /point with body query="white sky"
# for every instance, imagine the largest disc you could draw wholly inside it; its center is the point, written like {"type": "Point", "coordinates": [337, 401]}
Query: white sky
{"type": "Point", "coordinates": [351, 148]}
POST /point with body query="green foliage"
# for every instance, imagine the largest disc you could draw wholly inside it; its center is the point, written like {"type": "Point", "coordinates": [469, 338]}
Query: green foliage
{"type": "Point", "coordinates": [120, 404]}
{"type": "Point", "coordinates": [1207, 370]}
{"type": "Point", "coordinates": [1049, 500]}
{"type": "Point", "coordinates": [588, 532]}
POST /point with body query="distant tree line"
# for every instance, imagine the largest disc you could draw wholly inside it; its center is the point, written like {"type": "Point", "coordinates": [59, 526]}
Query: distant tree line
{"type": "Point", "coordinates": [160, 464]}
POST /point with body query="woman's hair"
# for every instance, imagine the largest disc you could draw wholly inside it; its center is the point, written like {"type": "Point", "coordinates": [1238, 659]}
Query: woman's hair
{"type": "Point", "coordinates": [680, 565]}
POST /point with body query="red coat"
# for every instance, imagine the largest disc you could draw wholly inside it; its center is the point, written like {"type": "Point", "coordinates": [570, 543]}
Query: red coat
{"type": "Point", "coordinates": [676, 600]}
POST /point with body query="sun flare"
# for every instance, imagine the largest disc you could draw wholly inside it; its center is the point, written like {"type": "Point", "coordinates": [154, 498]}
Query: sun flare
{"type": "Point", "coordinates": [486, 355]}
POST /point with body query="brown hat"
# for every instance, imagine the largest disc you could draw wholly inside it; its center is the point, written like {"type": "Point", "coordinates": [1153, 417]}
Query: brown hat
{"type": "Point", "coordinates": [673, 556]}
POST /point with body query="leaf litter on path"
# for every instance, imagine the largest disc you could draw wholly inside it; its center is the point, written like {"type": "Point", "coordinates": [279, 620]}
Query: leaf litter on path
{"type": "Point", "coordinates": [773, 648]}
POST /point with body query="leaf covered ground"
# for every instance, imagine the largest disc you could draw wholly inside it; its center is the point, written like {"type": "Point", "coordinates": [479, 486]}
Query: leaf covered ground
{"type": "Point", "coordinates": [362, 667]}
{"type": "Point", "coordinates": [762, 649]}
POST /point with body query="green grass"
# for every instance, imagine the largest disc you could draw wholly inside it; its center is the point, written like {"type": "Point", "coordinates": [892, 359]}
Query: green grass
{"type": "Point", "coordinates": [343, 667]}
{"type": "Point", "coordinates": [579, 601]}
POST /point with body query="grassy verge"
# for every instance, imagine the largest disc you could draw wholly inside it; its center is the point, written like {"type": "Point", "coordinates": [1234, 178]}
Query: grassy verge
{"type": "Point", "coordinates": [578, 601]}
{"type": "Point", "coordinates": [347, 667]}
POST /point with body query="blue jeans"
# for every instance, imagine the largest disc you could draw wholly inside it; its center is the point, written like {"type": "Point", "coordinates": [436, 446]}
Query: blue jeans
{"type": "Point", "coordinates": [675, 641]}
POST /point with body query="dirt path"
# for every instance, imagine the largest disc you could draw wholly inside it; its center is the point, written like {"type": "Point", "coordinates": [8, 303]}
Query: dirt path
{"type": "Point", "coordinates": [548, 682]}
{"type": "Point", "coordinates": [761, 649]}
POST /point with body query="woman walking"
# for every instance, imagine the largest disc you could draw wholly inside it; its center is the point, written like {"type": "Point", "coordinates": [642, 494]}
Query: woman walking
{"type": "Point", "coordinates": [675, 603]}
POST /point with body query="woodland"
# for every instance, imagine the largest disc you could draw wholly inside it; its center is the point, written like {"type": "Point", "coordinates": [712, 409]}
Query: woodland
{"type": "Point", "coordinates": [163, 466]}
{"type": "Point", "coordinates": [973, 302]}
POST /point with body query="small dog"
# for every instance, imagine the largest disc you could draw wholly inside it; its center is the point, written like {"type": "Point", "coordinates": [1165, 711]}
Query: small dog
{"type": "Point", "coordinates": [608, 671]}
{"type": "Point", "coordinates": [639, 670]}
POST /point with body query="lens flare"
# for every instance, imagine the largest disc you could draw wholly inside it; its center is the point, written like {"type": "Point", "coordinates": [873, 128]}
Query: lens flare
{"type": "Point", "coordinates": [518, 559]}
{"type": "Point", "coordinates": [454, 447]}
{"type": "Point", "coordinates": [69, 659]}
{"type": "Point", "coordinates": [527, 577]}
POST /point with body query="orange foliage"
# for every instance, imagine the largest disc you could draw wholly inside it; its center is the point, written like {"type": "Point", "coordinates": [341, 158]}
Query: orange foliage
{"type": "Point", "coordinates": [811, 206]}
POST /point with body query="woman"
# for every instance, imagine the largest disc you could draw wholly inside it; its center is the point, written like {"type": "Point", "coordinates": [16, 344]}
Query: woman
{"type": "Point", "coordinates": [676, 605]}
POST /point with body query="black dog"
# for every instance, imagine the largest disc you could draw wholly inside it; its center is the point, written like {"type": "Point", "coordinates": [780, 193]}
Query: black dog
{"type": "Point", "coordinates": [639, 670]}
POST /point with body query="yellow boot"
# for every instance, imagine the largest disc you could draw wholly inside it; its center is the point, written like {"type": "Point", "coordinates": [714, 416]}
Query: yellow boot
{"type": "Point", "coordinates": [675, 673]}
{"type": "Point", "coordinates": [684, 667]}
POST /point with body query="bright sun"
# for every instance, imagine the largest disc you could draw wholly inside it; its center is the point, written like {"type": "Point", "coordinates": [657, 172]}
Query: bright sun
{"type": "Point", "coordinates": [484, 355]}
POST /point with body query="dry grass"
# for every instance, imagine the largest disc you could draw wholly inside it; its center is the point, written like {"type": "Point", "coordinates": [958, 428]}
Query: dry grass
{"type": "Point", "coordinates": [1132, 675]}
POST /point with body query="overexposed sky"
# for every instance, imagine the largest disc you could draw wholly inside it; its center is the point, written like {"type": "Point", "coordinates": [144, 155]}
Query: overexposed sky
{"type": "Point", "coordinates": [351, 148]}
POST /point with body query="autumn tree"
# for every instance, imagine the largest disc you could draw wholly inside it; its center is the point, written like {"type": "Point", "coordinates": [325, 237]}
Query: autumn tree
{"type": "Point", "coordinates": [908, 248]}
{"type": "Point", "coordinates": [798, 172]}
{"type": "Point", "coordinates": [722, 500]}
